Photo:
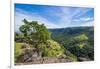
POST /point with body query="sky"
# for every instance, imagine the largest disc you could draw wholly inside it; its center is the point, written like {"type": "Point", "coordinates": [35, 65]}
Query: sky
{"type": "Point", "coordinates": [54, 16]}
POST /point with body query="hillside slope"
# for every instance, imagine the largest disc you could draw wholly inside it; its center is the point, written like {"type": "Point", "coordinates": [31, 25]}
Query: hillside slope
{"type": "Point", "coordinates": [78, 40]}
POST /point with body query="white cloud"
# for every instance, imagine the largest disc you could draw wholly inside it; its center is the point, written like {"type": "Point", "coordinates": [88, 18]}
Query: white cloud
{"type": "Point", "coordinates": [86, 19]}
{"type": "Point", "coordinates": [80, 11]}
{"type": "Point", "coordinates": [83, 19]}
{"type": "Point", "coordinates": [65, 16]}
{"type": "Point", "coordinates": [34, 17]}
{"type": "Point", "coordinates": [91, 23]}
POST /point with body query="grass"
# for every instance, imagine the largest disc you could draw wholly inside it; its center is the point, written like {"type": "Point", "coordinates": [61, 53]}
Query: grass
{"type": "Point", "coordinates": [18, 49]}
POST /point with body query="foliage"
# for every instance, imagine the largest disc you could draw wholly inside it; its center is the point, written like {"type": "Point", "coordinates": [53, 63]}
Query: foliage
{"type": "Point", "coordinates": [51, 49]}
{"type": "Point", "coordinates": [70, 56]}
{"type": "Point", "coordinates": [81, 46]}
{"type": "Point", "coordinates": [39, 36]}
{"type": "Point", "coordinates": [34, 33]}
{"type": "Point", "coordinates": [79, 40]}
{"type": "Point", "coordinates": [17, 35]}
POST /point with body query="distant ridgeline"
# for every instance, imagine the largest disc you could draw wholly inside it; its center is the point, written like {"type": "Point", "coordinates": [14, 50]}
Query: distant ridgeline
{"type": "Point", "coordinates": [73, 37]}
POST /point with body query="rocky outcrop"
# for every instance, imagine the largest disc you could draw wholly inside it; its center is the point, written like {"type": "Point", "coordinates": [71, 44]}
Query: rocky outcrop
{"type": "Point", "coordinates": [44, 60]}
{"type": "Point", "coordinates": [51, 52]}
{"type": "Point", "coordinates": [29, 54]}
{"type": "Point", "coordinates": [33, 56]}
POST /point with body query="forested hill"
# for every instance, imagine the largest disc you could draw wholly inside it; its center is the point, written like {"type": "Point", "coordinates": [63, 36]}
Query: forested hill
{"type": "Point", "coordinates": [71, 32]}
{"type": "Point", "coordinates": [78, 40]}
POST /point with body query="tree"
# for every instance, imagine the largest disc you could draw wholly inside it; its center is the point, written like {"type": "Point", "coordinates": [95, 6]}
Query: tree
{"type": "Point", "coordinates": [35, 33]}
{"type": "Point", "coordinates": [80, 46]}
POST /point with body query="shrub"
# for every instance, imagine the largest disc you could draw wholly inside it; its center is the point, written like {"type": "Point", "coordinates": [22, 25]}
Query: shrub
{"type": "Point", "coordinates": [51, 49]}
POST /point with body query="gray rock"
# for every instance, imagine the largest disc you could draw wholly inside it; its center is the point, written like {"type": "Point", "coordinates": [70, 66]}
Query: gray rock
{"type": "Point", "coordinates": [83, 59]}
{"type": "Point", "coordinates": [29, 55]}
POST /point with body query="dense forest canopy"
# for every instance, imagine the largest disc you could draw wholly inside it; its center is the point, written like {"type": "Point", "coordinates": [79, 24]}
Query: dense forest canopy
{"type": "Point", "coordinates": [78, 40]}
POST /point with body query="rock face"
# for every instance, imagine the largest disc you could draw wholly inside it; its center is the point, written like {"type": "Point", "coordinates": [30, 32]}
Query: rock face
{"type": "Point", "coordinates": [44, 60]}
{"type": "Point", "coordinates": [29, 55]}
{"type": "Point", "coordinates": [33, 56]}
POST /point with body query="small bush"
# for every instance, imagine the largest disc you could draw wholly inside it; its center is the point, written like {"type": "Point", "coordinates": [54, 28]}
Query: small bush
{"type": "Point", "coordinates": [51, 49]}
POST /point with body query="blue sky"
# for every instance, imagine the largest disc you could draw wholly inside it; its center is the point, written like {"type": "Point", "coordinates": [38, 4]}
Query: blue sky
{"type": "Point", "coordinates": [54, 16]}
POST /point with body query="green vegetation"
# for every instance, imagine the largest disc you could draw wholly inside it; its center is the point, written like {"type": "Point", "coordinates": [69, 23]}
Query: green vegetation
{"type": "Point", "coordinates": [81, 37]}
{"type": "Point", "coordinates": [78, 40]}
{"type": "Point", "coordinates": [18, 50]}
{"type": "Point", "coordinates": [69, 43]}
{"type": "Point", "coordinates": [51, 49]}
{"type": "Point", "coordinates": [34, 33]}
